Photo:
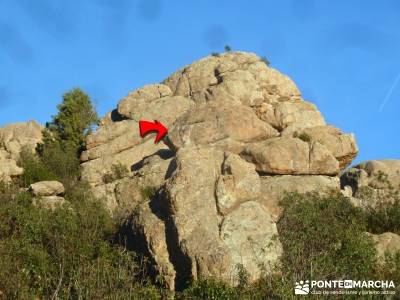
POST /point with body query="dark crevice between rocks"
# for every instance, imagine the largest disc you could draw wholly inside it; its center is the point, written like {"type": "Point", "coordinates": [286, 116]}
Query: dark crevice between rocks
{"type": "Point", "coordinates": [117, 117]}
{"type": "Point", "coordinates": [162, 153]}
{"type": "Point", "coordinates": [133, 239]}
{"type": "Point", "coordinates": [171, 169]}
{"type": "Point", "coordinates": [351, 179]}
{"type": "Point", "coordinates": [219, 77]}
{"type": "Point", "coordinates": [167, 142]}
{"type": "Point", "coordinates": [181, 262]}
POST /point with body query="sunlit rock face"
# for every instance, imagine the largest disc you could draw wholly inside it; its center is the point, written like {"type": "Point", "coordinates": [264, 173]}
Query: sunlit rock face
{"type": "Point", "coordinates": [207, 199]}
{"type": "Point", "coordinates": [14, 138]}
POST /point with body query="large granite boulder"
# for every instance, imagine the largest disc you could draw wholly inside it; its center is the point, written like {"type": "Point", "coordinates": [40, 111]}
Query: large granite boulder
{"type": "Point", "coordinates": [288, 155]}
{"type": "Point", "coordinates": [215, 242]}
{"type": "Point", "coordinates": [225, 126]}
{"type": "Point", "coordinates": [206, 199]}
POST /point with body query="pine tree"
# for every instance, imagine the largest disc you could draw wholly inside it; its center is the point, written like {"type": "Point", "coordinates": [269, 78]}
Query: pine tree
{"type": "Point", "coordinates": [64, 137]}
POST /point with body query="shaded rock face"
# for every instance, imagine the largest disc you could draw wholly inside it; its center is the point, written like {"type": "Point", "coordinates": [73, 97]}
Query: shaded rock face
{"type": "Point", "coordinates": [373, 183]}
{"type": "Point", "coordinates": [206, 201]}
{"type": "Point", "coordinates": [13, 139]}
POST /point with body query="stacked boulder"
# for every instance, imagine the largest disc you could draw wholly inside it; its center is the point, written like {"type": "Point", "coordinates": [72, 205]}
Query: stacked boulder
{"type": "Point", "coordinates": [47, 194]}
{"type": "Point", "coordinates": [206, 201]}
{"type": "Point", "coordinates": [14, 138]}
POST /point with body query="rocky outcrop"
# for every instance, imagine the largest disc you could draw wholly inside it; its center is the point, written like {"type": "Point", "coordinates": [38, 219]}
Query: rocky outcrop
{"type": "Point", "coordinates": [231, 229]}
{"type": "Point", "coordinates": [373, 182]}
{"type": "Point", "coordinates": [236, 76]}
{"type": "Point", "coordinates": [13, 139]}
{"type": "Point", "coordinates": [207, 200]}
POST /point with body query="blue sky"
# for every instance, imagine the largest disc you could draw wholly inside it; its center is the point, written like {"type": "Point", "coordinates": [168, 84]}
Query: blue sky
{"type": "Point", "coordinates": [343, 55]}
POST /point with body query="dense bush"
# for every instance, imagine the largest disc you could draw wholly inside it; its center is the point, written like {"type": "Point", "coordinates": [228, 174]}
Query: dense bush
{"type": "Point", "coordinates": [65, 253]}
{"type": "Point", "coordinates": [69, 252]}
{"type": "Point", "coordinates": [34, 169]}
{"type": "Point", "coordinates": [323, 237]}
{"type": "Point", "coordinates": [384, 218]}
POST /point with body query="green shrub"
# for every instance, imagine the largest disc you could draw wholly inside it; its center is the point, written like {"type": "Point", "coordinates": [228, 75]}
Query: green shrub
{"type": "Point", "coordinates": [323, 238]}
{"type": "Point", "coordinates": [390, 269]}
{"type": "Point", "coordinates": [303, 136]}
{"type": "Point", "coordinates": [384, 218]}
{"type": "Point", "coordinates": [62, 161]}
{"type": "Point", "coordinates": [118, 171]}
{"type": "Point", "coordinates": [65, 253]}
{"type": "Point", "coordinates": [209, 288]}
{"type": "Point", "coordinates": [34, 169]}
{"type": "Point", "coordinates": [148, 192]}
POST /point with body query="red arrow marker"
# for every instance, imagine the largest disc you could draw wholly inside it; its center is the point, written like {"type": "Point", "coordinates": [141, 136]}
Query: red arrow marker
{"type": "Point", "coordinates": [147, 127]}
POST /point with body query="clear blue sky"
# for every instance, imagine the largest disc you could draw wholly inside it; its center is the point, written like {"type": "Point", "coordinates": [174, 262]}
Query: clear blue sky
{"type": "Point", "coordinates": [343, 55]}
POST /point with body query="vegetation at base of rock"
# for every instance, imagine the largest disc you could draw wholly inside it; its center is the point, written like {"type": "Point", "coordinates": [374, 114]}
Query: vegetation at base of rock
{"type": "Point", "coordinates": [209, 289]}
{"type": "Point", "coordinates": [34, 169]}
{"type": "Point", "coordinates": [324, 238]}
{"type": "Point", "coordinates": [65, 253]}
{"type": "Point", "coordinates": [118, 171]}
{"type": "Point", "coordinates": [384, 218]}
{"type": "Point", "coordinates": [71, 252]}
